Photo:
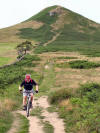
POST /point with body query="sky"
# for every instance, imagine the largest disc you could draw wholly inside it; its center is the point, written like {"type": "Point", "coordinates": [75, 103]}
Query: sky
{"type": "Point", "coordinates": [16, 11]}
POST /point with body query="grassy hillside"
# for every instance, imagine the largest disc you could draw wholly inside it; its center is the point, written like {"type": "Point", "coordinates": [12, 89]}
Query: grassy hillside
{"type": "Point", "coordinates": [72, 26]}
{"type": "Point", "coordinates": [42, 27]}
{"type": "Point", "coordinates": [75, 32]}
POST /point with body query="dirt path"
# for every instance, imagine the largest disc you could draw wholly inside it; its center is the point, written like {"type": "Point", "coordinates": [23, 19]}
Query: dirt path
{"type": "Point", "coordinates": [34, 123]}
{"type": "Point", "coordinates": [53, 39]}
{"type": "Point", "coordinates": [53, 118]}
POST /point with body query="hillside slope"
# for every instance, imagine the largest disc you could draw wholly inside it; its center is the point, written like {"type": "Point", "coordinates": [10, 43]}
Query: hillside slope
{"type": "Point", "coordinates": [43, 26]}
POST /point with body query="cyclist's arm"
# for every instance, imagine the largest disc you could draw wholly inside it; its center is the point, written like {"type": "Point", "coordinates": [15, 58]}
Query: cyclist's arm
{"type": "Point", "coordinates": [37, 88]}
{"type": "Point", "coordinates": [21, 85]}
{"type": "Point", "coordinates": [20, 88]}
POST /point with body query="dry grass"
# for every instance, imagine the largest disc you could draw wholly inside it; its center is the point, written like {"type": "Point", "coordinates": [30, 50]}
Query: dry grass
{"type": "Point", "coordinates": [91, 23]}
{"type": "Point", "coordinates": [72, 78]}
{"type": "Point", "coordinates": [9, 34]}
{"type": "Point", "coordinates": [66, 103]}
{"type": "Point", "coordinates": [7, 104]}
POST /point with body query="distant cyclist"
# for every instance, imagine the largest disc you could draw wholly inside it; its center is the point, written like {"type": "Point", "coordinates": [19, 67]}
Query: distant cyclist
{"type": "Point", "coordinates": [28, 85]}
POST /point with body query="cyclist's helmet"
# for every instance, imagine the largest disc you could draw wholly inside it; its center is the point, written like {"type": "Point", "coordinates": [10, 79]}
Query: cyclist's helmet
{"type": "Point", "coordinates": [27, 77]}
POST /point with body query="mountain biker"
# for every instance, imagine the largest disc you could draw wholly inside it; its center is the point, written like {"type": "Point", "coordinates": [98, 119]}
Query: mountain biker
{"type": "Point", "coordinates": [28, 85]}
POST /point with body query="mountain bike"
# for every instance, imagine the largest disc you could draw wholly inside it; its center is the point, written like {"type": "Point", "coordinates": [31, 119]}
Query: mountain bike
{"type": "Point", "coordinates": [28, 105]}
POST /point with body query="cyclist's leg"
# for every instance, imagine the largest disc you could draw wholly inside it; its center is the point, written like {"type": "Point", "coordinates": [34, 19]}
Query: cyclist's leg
{"type": "Point", "coordinates": [24, 100]}
{"type": "Point", "coordinates": [32, 94]}
{"type": "Point", "coordinates": [31, 97]}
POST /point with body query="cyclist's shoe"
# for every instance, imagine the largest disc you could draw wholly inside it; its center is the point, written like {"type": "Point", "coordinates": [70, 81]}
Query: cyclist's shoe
{"type": "Point", "coordinates": [24, 107]}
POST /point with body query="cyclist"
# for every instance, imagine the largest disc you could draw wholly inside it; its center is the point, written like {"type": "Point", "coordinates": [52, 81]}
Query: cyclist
{"type": "Point", "coordinates": [28, 85]}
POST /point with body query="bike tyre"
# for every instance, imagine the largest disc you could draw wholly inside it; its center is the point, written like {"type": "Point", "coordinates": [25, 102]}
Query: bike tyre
{"type": "Point", "coordinates": [28, 107]}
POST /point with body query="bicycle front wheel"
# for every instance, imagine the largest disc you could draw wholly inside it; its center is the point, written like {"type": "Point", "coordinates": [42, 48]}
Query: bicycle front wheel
{"type": "Point", "coordinates": [28, 107]}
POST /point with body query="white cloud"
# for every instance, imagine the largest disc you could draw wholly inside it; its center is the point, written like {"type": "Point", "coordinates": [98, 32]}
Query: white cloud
{"type": "Point", "coordinates": [15, 11]}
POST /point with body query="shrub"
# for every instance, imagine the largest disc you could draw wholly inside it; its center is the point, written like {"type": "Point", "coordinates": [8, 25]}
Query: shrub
{"type": "Point", "coordinates": [59, 95]}
{"type": "Point", "coordinates": [67, 57]}
{"type": "Point", "coordinates": [83, 64]}
{"type": "Point", "coordinates": [90, 91]}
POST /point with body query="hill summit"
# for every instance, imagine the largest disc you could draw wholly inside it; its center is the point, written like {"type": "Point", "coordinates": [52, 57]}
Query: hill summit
{"type": "Point", "coordinates": [50, 21]}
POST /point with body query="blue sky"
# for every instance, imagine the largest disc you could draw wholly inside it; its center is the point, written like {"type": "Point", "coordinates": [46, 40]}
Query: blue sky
{"type": "Point", "coordinates": [16, 11]}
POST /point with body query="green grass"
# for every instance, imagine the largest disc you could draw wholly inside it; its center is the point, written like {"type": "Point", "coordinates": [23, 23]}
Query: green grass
{"type": "Point", "coordinates": [4, 60]}
{"type": "Point", "coordinates": [69, 33]}
{"type": "Point", "coordinates": [12, 93]}
{"type": "Point", "coordinates": [37, 111]}
{"type": "Point", "coordinates": [24, 124]}
{"type": "Point", "coordinates": [62, 65]}
{"type": "Point", "coordinates": [87, 48]}
{"type": "Point", "coordinates": [5, 57]}
{"type": "Point", "coordinates": [6, 47]}
{"type": "Point", "coordinates": [48, 79]}
{"type": "Point", "coordinates": [43, 34]}
{"type": "Point", "coordinates": [83, 64]}
{"type": "Point", "coordinates": [43, 15]}
{"type": "Point", "coordinates": [52, 108]}
{"type": "Point", "coordinates": [6, 120]}
{"type": "Point", "coordinates": [48, 128]}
